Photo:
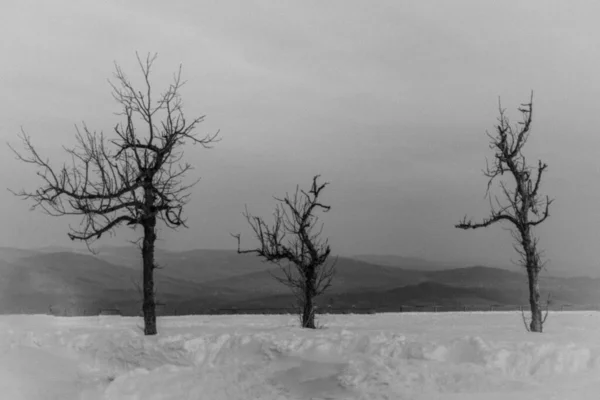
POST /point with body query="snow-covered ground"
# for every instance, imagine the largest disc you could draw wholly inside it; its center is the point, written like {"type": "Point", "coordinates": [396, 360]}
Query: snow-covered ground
{"type": "Point", "coordinates": [388, 356]}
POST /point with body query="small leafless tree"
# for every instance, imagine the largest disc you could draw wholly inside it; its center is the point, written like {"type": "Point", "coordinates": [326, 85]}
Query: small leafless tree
{"type": "Point", "coordinates": [136, 179]}
{"type": "Point", "coordinates": [295, 245]}
{"type": "Point", "coordinates": [523, 207]}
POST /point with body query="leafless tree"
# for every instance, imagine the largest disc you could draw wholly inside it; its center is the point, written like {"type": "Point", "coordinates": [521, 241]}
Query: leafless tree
{"type": "Point", "coordinates": [294, 243]}
{"type": "Point", "coordinates": [136, 178]}
{"type": "Point", "coordinates": [523, 207]}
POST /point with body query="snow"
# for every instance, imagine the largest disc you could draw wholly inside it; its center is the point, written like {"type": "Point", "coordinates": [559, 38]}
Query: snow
{"type": "Point", "coordinates": [483, 356]}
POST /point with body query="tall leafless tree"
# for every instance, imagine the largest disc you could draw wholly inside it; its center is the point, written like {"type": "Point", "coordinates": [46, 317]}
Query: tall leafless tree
{"type": "Point", "coordinates": [523, 206]}
{"type": "Point", "coordinates": [136, 179]}
{"type": "Point", "coordinates": [294, 243]}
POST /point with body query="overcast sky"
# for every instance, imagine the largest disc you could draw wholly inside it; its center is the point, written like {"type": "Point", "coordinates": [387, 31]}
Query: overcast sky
{"type": "Point", "coordinates": [388, 100]}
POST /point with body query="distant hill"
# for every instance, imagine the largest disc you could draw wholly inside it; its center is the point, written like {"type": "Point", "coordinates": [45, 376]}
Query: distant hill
{"type": "Point", "coordinates": [405, 262]}
{"type": "Point", "coordinates": [193, 265]}
{"type": "Point", "coordinates": [10, 254]}
{"type": "Point", "coordinates": [69, 279]}
{"type": "Point", "coordinates": [428, 265]}
{"type": "Point", "coordinates": [198, 280]}
{"type": "Point", "coordinates": [422, 294]}
{"type": "Point", "coordinates": [477, 277]}
{"type": "Point", "coordinates": [351, 275]}
{"type": "Point", "coordinates": [33, 283]}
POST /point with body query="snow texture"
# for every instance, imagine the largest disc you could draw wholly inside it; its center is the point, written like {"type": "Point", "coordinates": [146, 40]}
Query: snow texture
{"type": "Point", "coordinates": [387, 356]}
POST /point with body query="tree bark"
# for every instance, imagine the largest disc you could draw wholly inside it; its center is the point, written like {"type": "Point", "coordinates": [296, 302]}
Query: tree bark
{"type": "Point", "coordinates": [534, 300]}
{"type": "Point", "coordinates": [308, 312]}
{"type": "Point", "coordinates": [532, 266]}
{"type": "Point", "coordinates": [149, 303]}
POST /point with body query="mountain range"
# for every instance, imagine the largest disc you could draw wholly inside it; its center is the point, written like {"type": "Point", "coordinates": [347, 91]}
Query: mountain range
{"type": "Point", "coordinates": [64, 281]}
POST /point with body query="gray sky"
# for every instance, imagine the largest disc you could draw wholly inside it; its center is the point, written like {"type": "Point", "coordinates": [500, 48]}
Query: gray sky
{"type": "Point", "coordinates": [388, 100]}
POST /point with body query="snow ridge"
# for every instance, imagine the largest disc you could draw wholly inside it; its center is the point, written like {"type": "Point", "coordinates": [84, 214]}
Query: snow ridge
{"type": "Point", "coordinates": [270, 358]}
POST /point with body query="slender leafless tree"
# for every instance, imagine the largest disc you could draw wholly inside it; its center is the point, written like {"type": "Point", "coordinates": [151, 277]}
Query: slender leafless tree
{"type": "Point", "coordinates": [135, 178]}
{"type": "Point", "coordinates": [522, 206]}
{"type": "Point", "coordinates": [294, 243]}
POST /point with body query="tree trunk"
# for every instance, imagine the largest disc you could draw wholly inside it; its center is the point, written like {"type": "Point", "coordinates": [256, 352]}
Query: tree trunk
{"type": "Point", "coordinates": [534, 300]}
{"type": "Point", "coordinates": [533, 269]}
{"type": "Point", "coordinates": [308, 311]}
{"type": "Point", "coordinates": [149, 304]}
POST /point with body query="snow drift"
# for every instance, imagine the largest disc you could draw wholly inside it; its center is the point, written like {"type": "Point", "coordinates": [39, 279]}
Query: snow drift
{"type": "Point", "coordinates": [396, 356]}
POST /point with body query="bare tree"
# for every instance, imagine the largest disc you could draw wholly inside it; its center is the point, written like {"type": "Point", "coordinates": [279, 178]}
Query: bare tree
{"type": "Point", "coordinates": [136, 179]}
{"type": "Point", "coordinates": [295, 245]}
{"type": "Point", "coordinates": [523, 207]}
